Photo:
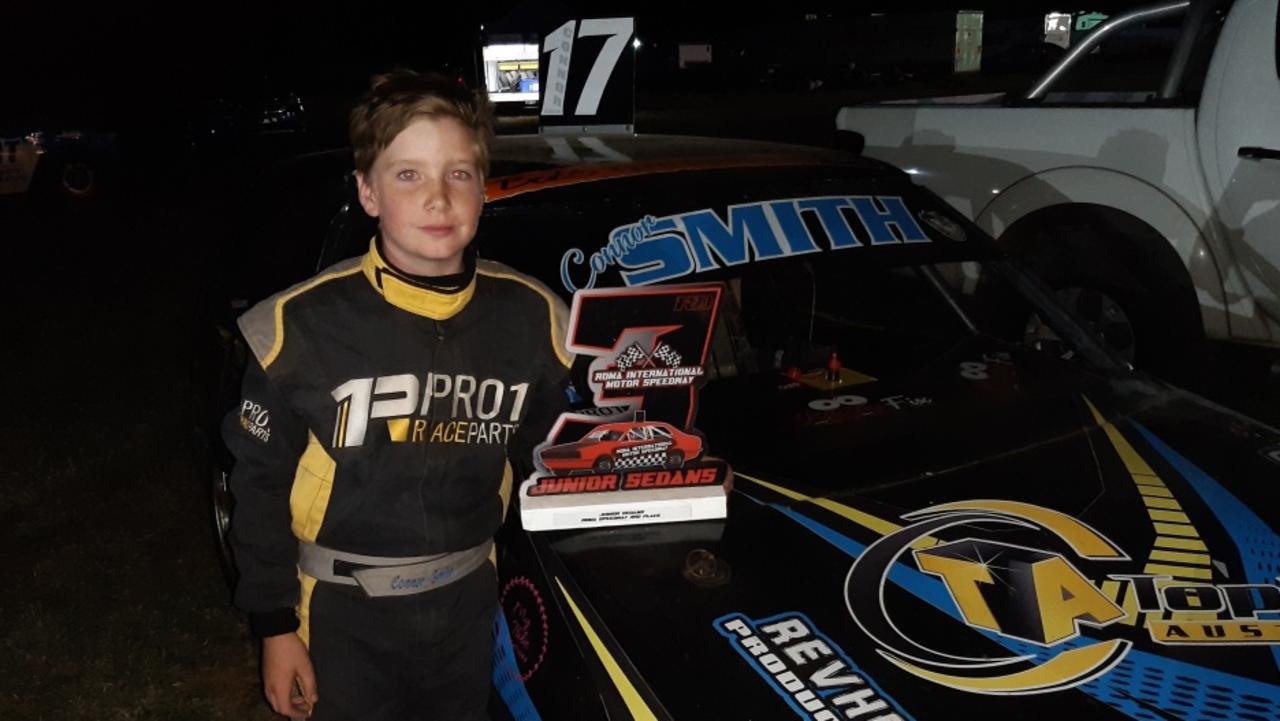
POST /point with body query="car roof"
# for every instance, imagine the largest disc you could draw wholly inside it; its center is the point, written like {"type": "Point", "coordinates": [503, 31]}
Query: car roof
{"type": "Point", "coordinates": [527, 163]}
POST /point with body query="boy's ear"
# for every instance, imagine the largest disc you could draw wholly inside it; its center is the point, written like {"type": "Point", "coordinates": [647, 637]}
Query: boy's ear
{"type": "Point", "coordinates": [367, 195]}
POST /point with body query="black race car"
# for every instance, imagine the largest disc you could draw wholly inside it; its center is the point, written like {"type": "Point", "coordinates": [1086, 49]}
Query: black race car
{"type": "Point", "coordinates": [980, 513]}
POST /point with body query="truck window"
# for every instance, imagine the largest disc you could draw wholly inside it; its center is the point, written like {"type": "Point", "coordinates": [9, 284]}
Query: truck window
{"type": "Point", "coordinates": [1127, 68]}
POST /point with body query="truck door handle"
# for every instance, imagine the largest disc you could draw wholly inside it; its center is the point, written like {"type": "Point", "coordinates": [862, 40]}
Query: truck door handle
{"type": "Point", "coordinates": [1254, 153]}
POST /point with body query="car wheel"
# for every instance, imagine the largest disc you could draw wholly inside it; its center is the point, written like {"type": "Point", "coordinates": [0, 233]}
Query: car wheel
{"type": "Point", "coordinates": [674, 460]}
{"type": "Point", "coordinates": [221, 504]}
{"type": "Point", "coordinates": [603, 464]}
{"type": "Point", "coordinates": [78, 179]}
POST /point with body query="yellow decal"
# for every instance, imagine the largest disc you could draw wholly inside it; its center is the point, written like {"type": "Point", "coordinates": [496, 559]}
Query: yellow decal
{"type": "Point", "coordinates": [862, 518]}
{"type": "Point", "coordinates": [1085, 541]}
{"type": "Point", "coordinates": [962, 577]}
{"type": "Point", "coordinates": [630, 696]}
{"type": "Point", "coordinates": [1065, 597]}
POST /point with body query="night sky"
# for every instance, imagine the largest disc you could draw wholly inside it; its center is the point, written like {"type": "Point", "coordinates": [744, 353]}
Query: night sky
{"type": "Point", "coordinates": [121, 66]}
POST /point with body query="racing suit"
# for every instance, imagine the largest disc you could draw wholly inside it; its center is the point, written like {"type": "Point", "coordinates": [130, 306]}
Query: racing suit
{"type": "Point", "coordinates": [378, 414]}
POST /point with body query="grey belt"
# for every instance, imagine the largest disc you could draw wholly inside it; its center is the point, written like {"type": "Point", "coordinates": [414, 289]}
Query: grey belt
{"type": "Point", "coordinates": [392, 576]}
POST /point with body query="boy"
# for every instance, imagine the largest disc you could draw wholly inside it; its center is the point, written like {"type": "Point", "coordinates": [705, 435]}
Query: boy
{"type": "Point", "coordinates": [382, 402]}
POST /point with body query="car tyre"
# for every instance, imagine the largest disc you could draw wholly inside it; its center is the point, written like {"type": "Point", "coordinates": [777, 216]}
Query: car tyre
{"type": "Point", "coordinates": [222, 504]}
{"type": "Point", "coordinates": [1141, 313]}
{"type": "Point", "coordinates": [603, 464]}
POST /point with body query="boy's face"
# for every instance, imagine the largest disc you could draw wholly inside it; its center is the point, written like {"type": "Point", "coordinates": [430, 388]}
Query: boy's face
{"type": "Point", "coordinates": [427, 192]}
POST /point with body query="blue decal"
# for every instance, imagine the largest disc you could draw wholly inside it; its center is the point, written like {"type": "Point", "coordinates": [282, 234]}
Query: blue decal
{"type": "Point", "coordinates": [794, 234]}
{"type": "Point", "coordinates": [879, 224]}
{"type": "Point", "coordinates": [1256, 543]}
{"type": "Point", "coordinates": [833, 221]}
{"type": "Point", "coordinates": [1140, 680]}
{"type": "Point", "coordinates": [506, 675]}
{"type": "Point", "coordinates": [662, 256]}
{"type": "Point", "coordinates": [748, 225]}
{"type": "Point", "coordinates": [815, 677]}
{"type": "Point", "coordinates": [659, 249]}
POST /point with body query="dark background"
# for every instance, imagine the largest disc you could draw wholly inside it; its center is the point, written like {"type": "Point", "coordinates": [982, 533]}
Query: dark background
{"type": "Point", "coordinates": [115, 606]}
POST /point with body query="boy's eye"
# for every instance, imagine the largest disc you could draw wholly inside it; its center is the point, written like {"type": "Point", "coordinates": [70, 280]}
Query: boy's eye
{"type": "Point", "coordinates": [462, 174]}
{"type": "Point", "coordinates": [407, 175]}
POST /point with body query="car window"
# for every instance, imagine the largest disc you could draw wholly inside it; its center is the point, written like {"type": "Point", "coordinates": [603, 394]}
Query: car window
{"type": "Point", "coordinates": [660, 432]}
{"type": "Point", "coordinates": [1127, 67]}
{"type": "Point", "coordinates": [879, 321]}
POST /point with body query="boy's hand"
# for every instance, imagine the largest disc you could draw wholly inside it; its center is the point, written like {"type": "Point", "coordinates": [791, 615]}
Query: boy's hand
{"type": "Point", "coordinates": [287, 676]}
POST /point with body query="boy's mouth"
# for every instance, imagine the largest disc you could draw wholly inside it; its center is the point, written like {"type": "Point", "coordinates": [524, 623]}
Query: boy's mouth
{"type": "Point", "coordinates": [437, 231]}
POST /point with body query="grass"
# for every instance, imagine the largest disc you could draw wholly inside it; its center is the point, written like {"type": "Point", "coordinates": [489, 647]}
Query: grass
{"type": "Point", "coordinates": [115, 607]}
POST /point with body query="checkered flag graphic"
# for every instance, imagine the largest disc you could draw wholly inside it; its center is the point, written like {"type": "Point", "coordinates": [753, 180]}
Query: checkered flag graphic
{"type": "Point", "coordinates": [630, 358]}
{"type": "Point", "coordinates": [646, 460]}
{"type": "Point", "coordinates": [668, 355]}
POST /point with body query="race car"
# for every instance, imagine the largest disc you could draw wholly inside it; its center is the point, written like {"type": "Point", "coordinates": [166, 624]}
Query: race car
{"type": "Point", "coordinates": [624, 445]}
{"type": "Point", "coordinates": [973, 515]}
{"type": "Point", "coordinates": [69, 164]}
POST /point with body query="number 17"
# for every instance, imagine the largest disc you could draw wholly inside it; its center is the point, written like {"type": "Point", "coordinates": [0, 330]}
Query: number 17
{"type": "Point", "coordinates": [560, 44]}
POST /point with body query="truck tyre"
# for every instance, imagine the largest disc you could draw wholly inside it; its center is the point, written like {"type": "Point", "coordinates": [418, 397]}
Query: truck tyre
{"type": "Point", "coordinates": [1144, 312]}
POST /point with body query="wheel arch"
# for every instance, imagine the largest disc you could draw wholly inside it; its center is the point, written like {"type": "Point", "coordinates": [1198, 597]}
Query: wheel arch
{"type": "Point", "coordinates": [1153, 236]}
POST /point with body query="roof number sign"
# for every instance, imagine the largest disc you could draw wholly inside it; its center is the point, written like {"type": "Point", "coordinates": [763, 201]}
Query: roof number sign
{"type": "Point", "coordinates": [588, 72]}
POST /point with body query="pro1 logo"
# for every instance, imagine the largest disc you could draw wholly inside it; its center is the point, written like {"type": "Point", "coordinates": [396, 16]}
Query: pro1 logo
{"type": "Point", "coordinates": [255, 420]}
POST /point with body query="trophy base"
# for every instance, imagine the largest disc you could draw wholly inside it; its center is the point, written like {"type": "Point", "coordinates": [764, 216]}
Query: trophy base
{"type": "Point", "coordinates": [622, 508]}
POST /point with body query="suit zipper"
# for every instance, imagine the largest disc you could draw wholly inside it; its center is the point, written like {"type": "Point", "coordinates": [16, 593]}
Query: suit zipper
{"type": "Point", "coordinates": [428, 451]}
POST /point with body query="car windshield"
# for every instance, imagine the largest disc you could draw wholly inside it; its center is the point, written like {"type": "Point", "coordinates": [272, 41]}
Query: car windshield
{"type": "Point", "coordinates": [603, 435]}
{"type": "Point", "coordinates": [882, 321]}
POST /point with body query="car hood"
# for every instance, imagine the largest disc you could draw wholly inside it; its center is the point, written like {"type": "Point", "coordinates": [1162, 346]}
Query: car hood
{"type": "Point", "coordinates": [1012, 568]}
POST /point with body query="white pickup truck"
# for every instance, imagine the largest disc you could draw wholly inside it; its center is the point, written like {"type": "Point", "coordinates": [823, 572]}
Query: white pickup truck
{"type": "Point", "coordinates": [1140, 176]}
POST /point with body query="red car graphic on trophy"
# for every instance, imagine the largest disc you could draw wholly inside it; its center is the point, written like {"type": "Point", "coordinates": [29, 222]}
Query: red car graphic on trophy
{"type": "Point", "coordinates": [627, 445]}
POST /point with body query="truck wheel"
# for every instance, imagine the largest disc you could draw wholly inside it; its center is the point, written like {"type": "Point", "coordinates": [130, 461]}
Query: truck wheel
{"type": "Point", "coordinates": [1099, 312]}
{"type": "Point", "coordinates": [1115, 275]}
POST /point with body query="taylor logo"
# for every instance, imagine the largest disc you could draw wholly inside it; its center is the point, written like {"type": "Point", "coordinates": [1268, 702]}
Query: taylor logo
{"type": "Point", "coordinates": [1022, 593]}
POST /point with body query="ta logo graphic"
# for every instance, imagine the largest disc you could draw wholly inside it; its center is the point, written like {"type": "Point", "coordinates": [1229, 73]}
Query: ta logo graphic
{"type": "Point", "coordinates": [1044, 598]}
{"type": "Point", "coordinates": [1022, 593]}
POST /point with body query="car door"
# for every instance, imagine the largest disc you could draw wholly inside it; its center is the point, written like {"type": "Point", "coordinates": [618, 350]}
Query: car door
{"type": "Point", "coordinates": [1240, 132]}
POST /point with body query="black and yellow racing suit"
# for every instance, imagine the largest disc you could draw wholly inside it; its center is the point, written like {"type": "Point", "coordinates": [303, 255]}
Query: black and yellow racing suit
{"type": "Point", "coordinates": [377, 417]}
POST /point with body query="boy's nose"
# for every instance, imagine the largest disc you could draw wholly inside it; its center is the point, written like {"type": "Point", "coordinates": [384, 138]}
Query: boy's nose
{"type": "Point", "coordinates": [435, 196]}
